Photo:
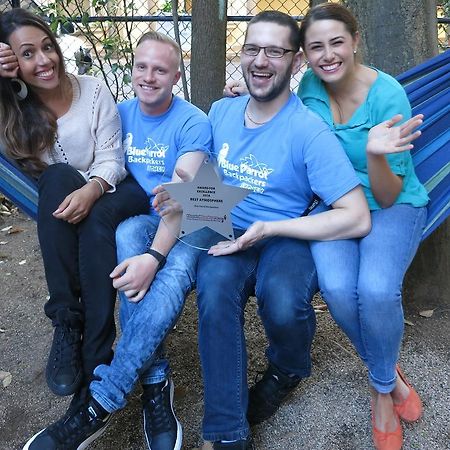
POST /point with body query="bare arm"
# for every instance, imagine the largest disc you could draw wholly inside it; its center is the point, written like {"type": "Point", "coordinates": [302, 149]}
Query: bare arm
{"type": "Point", "coordinates": [348, 218]}
{"type": "Point", "coordinates": [384, 139]}
{"type": "Point", "coordinates": [135, 275]}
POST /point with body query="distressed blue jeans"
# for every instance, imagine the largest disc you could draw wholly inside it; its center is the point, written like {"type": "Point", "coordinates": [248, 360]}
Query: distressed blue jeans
{"type": "Point", "coordinates": [282, 274]}
{"type": "Point", "coordinates": [145, 324]}
{"type": "Point", "coordinates": [361, 281]}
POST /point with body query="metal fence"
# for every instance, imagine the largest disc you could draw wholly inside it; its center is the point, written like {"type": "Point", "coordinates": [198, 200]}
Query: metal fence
{"type": "Point", "coordinates": [98, 36]}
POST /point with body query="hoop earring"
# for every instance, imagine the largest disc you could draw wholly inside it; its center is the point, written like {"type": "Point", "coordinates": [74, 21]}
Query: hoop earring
{"type": "Point", "coordinates": [22, 90]}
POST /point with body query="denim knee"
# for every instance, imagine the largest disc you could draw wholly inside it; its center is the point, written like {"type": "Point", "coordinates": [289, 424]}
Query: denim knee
{"type": "Point", "coordinates": [284, 313]}
{"type": "Point", "coordinates": [211, 306]}
{"type": "Point", "coordinates": [60, 173]}
{"type": "Point", "coordinates": [126, 231]}
{"type": "Point", "coordinates": [100, 227]}
{"type": "Point", "coordinates": [379, 297]}
{"type": "Point", "coordinates": [339, 296]}
{"type": "Point", "coordinates": [55, 183]}
{"type": "Point", "coordinates": [137, 230]}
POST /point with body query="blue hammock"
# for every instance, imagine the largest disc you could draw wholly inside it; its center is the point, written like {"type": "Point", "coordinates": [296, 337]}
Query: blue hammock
{"type": "Point", "coordinates": [428, 89]}
{"type": "Point", "coordinates": [19, 188]}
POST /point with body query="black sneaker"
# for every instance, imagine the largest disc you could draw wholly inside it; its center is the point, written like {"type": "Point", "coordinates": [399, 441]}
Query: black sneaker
{"type": "Point", "coordinates": [161, 427]}
{"type": "Point", "coordinates": [64, 372]}
{"type": "Point", "coordinates": [74, 431]}
{"type": "Point", "coordinates": [243, 444]}
{"type": "Point", "coordinates": [266, 396]}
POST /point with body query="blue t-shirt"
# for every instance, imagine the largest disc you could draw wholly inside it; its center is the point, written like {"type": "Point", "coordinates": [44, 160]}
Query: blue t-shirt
{"type": "Point", "coordinates": [385, 98]}
{"type": "Point", "coordinates": [153, 144]}
{"type": "Point", "coordinates": [282, 162]}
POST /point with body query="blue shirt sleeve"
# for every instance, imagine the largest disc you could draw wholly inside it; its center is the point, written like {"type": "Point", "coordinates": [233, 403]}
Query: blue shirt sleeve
{"type": "Point", "coordinates": [195, 135]}
{"type": "Point", "coordinates": [330, 172]}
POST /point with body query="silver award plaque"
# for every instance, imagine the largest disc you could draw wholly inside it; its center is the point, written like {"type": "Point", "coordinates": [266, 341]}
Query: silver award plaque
{"type": "Point", "coordinates": [206, 202]}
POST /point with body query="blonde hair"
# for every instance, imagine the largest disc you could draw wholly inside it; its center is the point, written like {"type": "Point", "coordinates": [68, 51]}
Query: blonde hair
{"type": "Point", "coordinates": [159, 37]}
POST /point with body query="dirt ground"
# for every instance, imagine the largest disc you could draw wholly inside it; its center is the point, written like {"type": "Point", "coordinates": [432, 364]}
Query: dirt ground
{"type": "Point", "coordinates": [330, 410]}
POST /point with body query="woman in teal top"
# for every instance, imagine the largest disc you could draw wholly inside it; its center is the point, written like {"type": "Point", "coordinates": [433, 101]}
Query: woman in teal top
{"type": "Point", "coordinates": [361, 279]}
{"type": "Point", "coordinates": [385, 99]}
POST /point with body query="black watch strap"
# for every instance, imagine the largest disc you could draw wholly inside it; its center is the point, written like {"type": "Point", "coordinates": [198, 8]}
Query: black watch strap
{"type": "Point", "coordinates": [158, 256]}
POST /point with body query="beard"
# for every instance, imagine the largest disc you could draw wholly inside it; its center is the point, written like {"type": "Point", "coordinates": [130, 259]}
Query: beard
{"type": "Point", "coordinates": [273, 91]}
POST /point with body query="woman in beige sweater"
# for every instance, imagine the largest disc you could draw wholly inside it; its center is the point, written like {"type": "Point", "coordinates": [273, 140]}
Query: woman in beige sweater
{"type": "Point", "coordinates": [65, 132]}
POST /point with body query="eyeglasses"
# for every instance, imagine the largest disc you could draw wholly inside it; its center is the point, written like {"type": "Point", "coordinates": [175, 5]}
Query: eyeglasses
{"type": "Point", "coordinates": [270, 52]}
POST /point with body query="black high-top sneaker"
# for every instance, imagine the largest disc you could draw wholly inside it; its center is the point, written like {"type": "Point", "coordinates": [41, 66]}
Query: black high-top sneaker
{"type": "Point", "coordinates": [64, 369]}
{"type": "Point", "coordinates": [74, 431]}
{"type": "Point", "coordinates": [162, 429]}
{"type": "Point", "coordinates": [266, 396]}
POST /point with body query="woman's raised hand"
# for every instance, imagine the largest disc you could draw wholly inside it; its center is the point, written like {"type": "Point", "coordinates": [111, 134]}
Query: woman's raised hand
{"type": "Point", "coordinates": [234, 88]}
{"type": "Point", "coordinates": [9, 65]}
{"type": "Point", "coordinates": [386, 138]}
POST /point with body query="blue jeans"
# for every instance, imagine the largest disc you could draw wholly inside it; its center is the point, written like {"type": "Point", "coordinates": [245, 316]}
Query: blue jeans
{"type": "Point", "coordinates": [361, 281]}
{"type": "Point", "coordinates": [134, 237]}
{"type": "Point", "coordinates": [282, 274]}
{"type": "Point", "coordinates": [146, 324]}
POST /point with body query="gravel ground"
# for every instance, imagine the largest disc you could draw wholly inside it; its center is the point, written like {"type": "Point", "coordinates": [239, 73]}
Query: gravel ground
{"type": "Point", "coordinates": [330, 410]}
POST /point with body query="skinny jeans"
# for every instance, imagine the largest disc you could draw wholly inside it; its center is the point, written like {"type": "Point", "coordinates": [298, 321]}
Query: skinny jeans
{"type": "Point", "coordinates": [139, 353]}
{"type": "Point", "coordinates": [361, 282]}
{"type": "Point", "coordinates": [78, 258]}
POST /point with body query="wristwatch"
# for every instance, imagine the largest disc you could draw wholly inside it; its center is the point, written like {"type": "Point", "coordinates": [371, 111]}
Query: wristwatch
{"type": "Point", "coordinates": [158, 256]}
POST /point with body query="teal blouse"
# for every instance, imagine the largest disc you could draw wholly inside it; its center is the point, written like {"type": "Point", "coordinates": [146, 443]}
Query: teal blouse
{"type": "Point", "coordinates": [386, 98]}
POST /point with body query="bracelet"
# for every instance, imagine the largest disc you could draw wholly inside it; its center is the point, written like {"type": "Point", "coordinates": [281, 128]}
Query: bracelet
{"type": "Point", "coordinates": [158, 256]}
{"type": "Point", "coordinates": [99, 183]}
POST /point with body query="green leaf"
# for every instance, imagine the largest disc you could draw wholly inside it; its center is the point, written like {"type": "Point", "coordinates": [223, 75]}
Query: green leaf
{"type": "Point", "coordinates": [85, 18]}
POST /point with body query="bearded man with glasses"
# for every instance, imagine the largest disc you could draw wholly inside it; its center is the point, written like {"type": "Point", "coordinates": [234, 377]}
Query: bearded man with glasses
{"type": "Point", "coordinates": [270, 143]}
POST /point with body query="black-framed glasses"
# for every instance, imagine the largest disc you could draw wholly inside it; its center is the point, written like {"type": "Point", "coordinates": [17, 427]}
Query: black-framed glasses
{"type": "Point", "coordinates": [270, 52]}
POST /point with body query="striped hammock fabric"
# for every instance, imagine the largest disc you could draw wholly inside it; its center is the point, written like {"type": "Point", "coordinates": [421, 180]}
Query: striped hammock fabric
{"type": "Point", "coordinates": [19, 188]}
{"type": "Point", "coordinates": [428, 89]}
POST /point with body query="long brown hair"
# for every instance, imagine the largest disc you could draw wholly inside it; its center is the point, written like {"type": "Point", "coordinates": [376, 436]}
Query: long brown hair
{"type": "Point", "coordinates": [28, 126]}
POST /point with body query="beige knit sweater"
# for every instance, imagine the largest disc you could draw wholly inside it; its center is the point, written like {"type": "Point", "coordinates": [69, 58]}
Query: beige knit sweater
{"type": "Point", "coordinates": [89, 136]}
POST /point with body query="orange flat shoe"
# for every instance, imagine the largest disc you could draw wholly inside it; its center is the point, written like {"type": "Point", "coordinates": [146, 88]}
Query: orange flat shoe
{"type": "Point", "coordinates": [392, 440]}
{"type": "Point", "coordinates": [411, 408]}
